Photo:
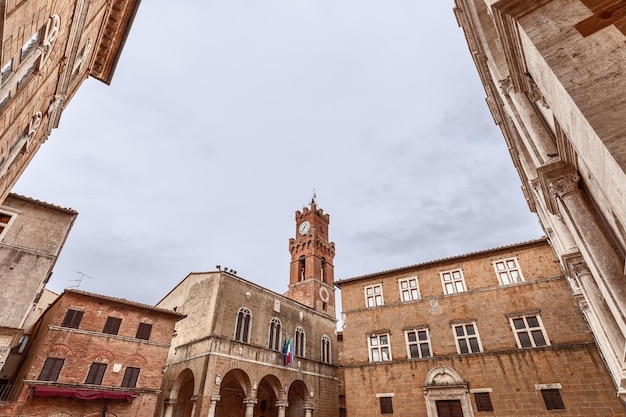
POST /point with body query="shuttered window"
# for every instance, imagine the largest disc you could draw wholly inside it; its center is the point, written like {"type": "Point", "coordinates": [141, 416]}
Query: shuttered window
{"type": "Point", "coordinates": [130, 377]}
{"type": "Point", "coordinates": [112, 325]}
{"type": "Point", "coordinates": [51, 369]}
{"type": "Point", "coordinates": [483, 401]}
{"type": "Point", "coordinates": [553, 400]}
{"type": "Point", "coordinates": [96, 373]}
{"type": "Point", "coordinates": [72, 318]}
{"type": "Point", "coordinates": [386, 405]}
{"type": "Point", "coordinates": [143, 331]}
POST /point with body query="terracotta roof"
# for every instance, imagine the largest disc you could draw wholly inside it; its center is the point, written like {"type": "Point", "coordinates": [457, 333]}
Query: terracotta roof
{"type": "Point", "coordinates": [124, 301]}
{"type": "Point", "coordinates": [41, 203]}
{"type": "Point", "coordinates": [442, 260]}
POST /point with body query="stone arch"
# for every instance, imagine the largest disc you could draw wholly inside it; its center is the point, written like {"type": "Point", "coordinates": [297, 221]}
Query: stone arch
{"type": "Point", "coordinates": [58, 351]}
{"type": "Point", "coordinates": [235, 389]}
{"type": "Point", "coordinates": [135, 360]}
{"type": "Point", "coordinates": [444, 386]}
{"type": "Point", "coordinates": [182, 393]}
{"type": "Point", "coordinates": [297, 397]}
{"type": "Point", "coordinates": [102, 355]}
{"type": "Point", "coordinates": [269, 394]}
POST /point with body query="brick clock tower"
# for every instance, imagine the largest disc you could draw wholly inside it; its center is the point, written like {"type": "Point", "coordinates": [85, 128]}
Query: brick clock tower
{"type": "Point", "coordinates": [312, 277]}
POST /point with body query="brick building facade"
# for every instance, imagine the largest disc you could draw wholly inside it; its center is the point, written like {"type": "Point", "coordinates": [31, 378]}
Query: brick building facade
{"type": "Point", "coordinates": [244, 350]}
{"type": "Point", "coordinates": [47, 49]}
{"type": "Point", "coordinates": [32, 234]}
{"type": "Point", "coordinates": [490, 333]}
{"type": "Point", "coordinates": [553, 72]}
{"type": "Point", "coordinates": [92, 355]}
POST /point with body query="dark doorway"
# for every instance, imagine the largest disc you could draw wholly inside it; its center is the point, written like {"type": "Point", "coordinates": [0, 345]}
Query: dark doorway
{"type": "Point", "coordinates": [449, 408]}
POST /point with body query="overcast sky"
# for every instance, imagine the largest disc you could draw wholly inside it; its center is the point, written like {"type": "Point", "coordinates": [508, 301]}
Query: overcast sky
{"type": "Point", "coordinates": [222, 118]}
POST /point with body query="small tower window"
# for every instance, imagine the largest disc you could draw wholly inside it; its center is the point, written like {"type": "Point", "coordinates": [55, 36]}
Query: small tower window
{"type": "Point", "coordinates": [302, 264]}
{"type": "Point", "coordinates": [323, 267]}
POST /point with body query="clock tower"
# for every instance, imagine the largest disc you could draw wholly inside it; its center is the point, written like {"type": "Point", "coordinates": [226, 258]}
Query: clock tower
{"type": "Point", "coordinates": [312, 278]}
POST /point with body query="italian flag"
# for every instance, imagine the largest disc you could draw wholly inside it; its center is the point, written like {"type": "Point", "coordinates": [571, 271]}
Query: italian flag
{"type": "Point", "coordinates": [288, 352]}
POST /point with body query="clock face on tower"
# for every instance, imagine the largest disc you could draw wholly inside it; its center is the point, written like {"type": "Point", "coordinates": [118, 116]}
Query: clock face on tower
{"type": "Point", "coordinates": [304, 227]}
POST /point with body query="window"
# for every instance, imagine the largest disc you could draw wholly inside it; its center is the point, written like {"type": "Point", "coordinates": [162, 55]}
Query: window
{"type": "Point", "coordinates": [508, 271]}
{"type": "Point", "coordinates": [72, 318]}
{"type": "Point", "coordinates": [274, 339]}
{"type": "Point", "coordinates": [26, 75]}
{"type": "Point", "coordinates": [5, 219]}
{"type": "Point", "coordinates": [418, 343]}
{"type": "Point", "coordinates": [5, 99]}
{"type": "Point", "coordinates": [374, 295]}
{"type": "Point", "coordinates": [408, 289]}
{"type": "Point", "coordinates": [453, 281]}
{"type": "Point", "coordinates": [30, 45]}
{"type": "Point", "coordinates": [483, 401]}
{"type": "Point", "coordinates": [300, 342]}
{"type": "Point", "coordinates": [130, 377]}
{"type": "Point", "coordinates": [379, 348]}
{"type": "Point", "coordinates": [112, 325]}
{"type": "Point", "coordinates": [242, 329]}
{"type": "Point", "coordinates": [96, 373]}
{"type": "Point", "coordinates": [143, 331]}
{"type": "Point", "coordinates": [326, 349]}
{"type": "Point", "coordinates": [21, 344]}
{"type": "Point", "coordinates": [386, 405]}
{"type": "Point", "coordinates": [51, 369]}
{"type": "Point", "coordinates": [466, 337]}
{"type": "Point", "coordinates": [529, 331]}
{"type": "Point", "coordinates": [553, 400]}
{"type": "Point", "coordinates": [7, 70]}
{"type": "Point", "coordinates": [302, 263]}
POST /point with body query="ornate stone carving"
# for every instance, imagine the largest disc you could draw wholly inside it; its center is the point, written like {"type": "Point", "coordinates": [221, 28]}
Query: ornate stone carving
{"type": "Point", "coordinates": [53, 26]}
{"type": "Point", "coordinates": [563, 185]}
{"type": "Point", "coordinates": [533, 92]}
{"type": "Point", "coordinates": [506, 85]}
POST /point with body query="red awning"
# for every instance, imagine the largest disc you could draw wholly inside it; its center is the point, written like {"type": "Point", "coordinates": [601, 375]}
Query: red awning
{"type": "Point", "coordinates": [83, 394]}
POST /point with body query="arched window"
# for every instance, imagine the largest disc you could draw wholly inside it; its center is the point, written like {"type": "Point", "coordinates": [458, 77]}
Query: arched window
{"type": "Point", "coordinates": [325, 349]}
{"type": "Point", "coordinates": [242, 330]}
{"type": "Point", "coordinates": [300, 342]}
{"type": "Point", "coordinates": [274, 339]}
{"type": "Point", "coordinates": [322, 270]}
{"type": "Point", "coordinates": [302, 263]}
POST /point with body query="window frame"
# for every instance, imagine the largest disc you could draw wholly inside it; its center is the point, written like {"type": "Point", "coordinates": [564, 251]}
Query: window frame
{"type": "Point", "coordinates": [96, 372]}
{"type": "Point", "coordinates": [417, 342]}
{"type": "Point", "coordinates": [453, 281]}
{"type": "Point", "coordinates": [528, 330]}
{"type": "Point", "coordinates": [144, 330]}
{"type": "Point", "coordinates": [409, 290]}
{"type": "Point", "coordinates": [374, 296]}
{"type": "Point", "coordinates": [300, 342]}
{"type": "Point", "coordinates": [6, 70]}
{"type": "Point", "coordinates": [52, 367]}
{"type": "Point", "coordinates": [483, 402]}
{"type": "Point", "coordinates": [131, 375]}
{"type": "Point", "coordinates": [72, 319]}
{"type": "Point", "coordinates": [5, 225]}
{"type": "Point", "coordinates": [379, 347]}
{"type": "Point", "coordinates": [275, 334]}
{"type": "Point", "coordinates": [466, 337]}
{"type": "Point", "coordinates": [386, 404]}
{"type": "Point", "coordinates": [507, 271]}
{"type": "Point", "coordinates": [552, 399]}
{"type": "Point", "coordinates": [112, 325]}
{"type": "Point", "coordinates": [326, 353]}
{"type": "Point", "coordinates": [243, 325]}
{"type": "Point", "coordinates": [30, 45]}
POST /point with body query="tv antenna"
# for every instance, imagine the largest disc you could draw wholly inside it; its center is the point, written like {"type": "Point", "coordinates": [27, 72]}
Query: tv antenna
{"type": "Point", "coordinates": [79, 280]}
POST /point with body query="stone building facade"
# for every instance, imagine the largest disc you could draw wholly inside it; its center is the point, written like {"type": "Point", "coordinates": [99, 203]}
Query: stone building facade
{"type": "Point", "coordinates": [553, 71]}
{"type": "Point", "coordinates": [93, 355]}
{"type": "Point", "coordinates": [490, 333]}
{"type": "Point", "coordinates": [32, 234]}
{"type": "Point", "coordinates": [244, 350]}
{"type": "Point", "coordinates": [47, 49]}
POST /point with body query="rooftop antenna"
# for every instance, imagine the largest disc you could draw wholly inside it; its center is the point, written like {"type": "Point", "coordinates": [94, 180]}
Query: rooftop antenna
{"type": "Point", "coordinates": [79, 280]}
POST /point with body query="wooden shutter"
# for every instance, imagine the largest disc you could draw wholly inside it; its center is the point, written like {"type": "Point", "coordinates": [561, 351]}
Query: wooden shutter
{"type": "Point", "coordinates": [143, 331]}
{"type": "Point", "coordinates": [112, 325]}
{"type": "Point", "coordinates": [72, 318]}
{"type": "Point", "coordinates": [96, 373]}
{"type": "Point", "coordinates": [130, 377]}
{"type": "Point", "coordinates": [51, 369]}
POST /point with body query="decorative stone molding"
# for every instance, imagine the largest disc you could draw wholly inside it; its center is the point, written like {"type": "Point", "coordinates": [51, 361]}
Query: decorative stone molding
{"type": "Point", "coordinates": [557, 180]}
{"type": "Point", "coordinates": [533, 92]}
{"type": "Point", "coordinates": [443, 383]}
{"type": "Point", "coordinates": [53, 26]}
{"type": "Point", "coordinates": [506, 85]}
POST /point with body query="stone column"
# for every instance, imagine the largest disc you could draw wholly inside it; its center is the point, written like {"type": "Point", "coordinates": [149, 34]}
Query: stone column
{"type": "Point", "coordinates": [282, 406]}
{"type": "Point", "coordinates": [608, 335]}
{"type": "Point", "coordinates": [214, 399]}
{"type": "Point", "coordinates": [602, 259]}
{"type": "Point", "coordinates": [250, 403]}
{"type": "Point", "coordinates": [308, 410]}
{"type": "Point", "coordinates": [194, 400]}
{"type": "Point", "coordinates": [169, 408]}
